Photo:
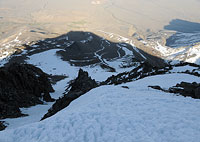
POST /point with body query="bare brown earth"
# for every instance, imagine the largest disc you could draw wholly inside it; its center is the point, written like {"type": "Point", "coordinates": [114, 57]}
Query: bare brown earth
{"type": "Point", "coordinates": [38, 19]}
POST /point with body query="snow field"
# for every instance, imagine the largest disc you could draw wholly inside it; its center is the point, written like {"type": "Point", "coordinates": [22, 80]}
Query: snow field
{"type": "Point", "coordinates": [113, 113]}
{"type": "Point", "coordinates": [50, 63]}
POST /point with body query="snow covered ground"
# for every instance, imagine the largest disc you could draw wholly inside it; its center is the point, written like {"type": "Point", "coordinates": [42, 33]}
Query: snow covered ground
{"type": "Point", "coordinates": [184, 68]}
{"type": "Point", "coordinates": [113, 113]}
{"type": "Point", "coordinates": [50, 63]}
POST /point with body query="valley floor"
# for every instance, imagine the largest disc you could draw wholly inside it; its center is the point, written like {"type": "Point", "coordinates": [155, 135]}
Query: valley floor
{"type": "Point", "coordinates": [113, 113]}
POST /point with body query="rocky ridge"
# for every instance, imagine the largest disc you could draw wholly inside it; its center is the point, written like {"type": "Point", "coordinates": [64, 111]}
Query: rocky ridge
{"type": "Point", "coordinates": [22, 85]}
{"type": "Point", "coordinates": [82, 84]}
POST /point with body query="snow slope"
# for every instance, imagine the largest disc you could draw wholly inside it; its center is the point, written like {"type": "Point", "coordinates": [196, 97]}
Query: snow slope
{"type": "Point", "coordinates": [50, 63]}
{"type": "Point", "coordinates": [113, 113]}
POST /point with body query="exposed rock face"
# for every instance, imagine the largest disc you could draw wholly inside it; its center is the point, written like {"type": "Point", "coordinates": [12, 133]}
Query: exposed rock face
{"type": "Point", "coordinates": [184, 88]}
{"type": "Point", "coordinates": [82, 84]}
{"type": "Point", "coordinates": [187, 89]}
{"type": "Point", "coordinates": [2, 126]}
{"type": "Point", "coordinates": [197, 92]}
{"type": "Point", "coordinates": [22, 85]}
{"type": "Point", "coordinates": [9, 110]}
{"type": "Point", "coordinates": [143, 70]}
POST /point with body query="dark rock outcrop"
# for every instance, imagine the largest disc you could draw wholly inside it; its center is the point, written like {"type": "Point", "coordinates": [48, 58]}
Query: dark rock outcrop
{"type": "Point", "coordinates": [2, 126]}
{"type": "Point", "coordinates": [107, 67]}
{"type": "Point", "coordinates": [197, 92]}
{"type": "Point", "coordinates": [187, 89]}
{"type": "Point", "coordinates": [22, 85]}
{"type": "Point", "coordinates": [156, 87]}
{"type": "Point", "coordinates": [184, 88]}
{"type": "Point", "coordinates": [82, 84]}
{"type": "Point", "coordinates": [125, 87]}
{"type": "Point", "coordinates": [143, 70]}
{"type": "Point", "coordinates": [9, 110]}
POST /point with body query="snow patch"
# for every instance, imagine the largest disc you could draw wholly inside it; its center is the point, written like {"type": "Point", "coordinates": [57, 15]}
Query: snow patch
{"type": "Point", "coordinates": [113, 113]}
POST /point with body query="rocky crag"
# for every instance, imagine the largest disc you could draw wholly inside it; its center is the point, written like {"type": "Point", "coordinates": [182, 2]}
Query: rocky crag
{"type": "Point", "coordinates": [22, 85]}
{"type": "Point", "coordinates": [185, 89]}
{"type": "Point", "coordinates": [82, 84]}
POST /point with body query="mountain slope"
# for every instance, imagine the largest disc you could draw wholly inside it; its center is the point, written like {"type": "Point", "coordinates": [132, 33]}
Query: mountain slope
{"type": "Point", "coordinates": [113, 113]}
{"type": "Point", "coordinates": [130, 111]}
